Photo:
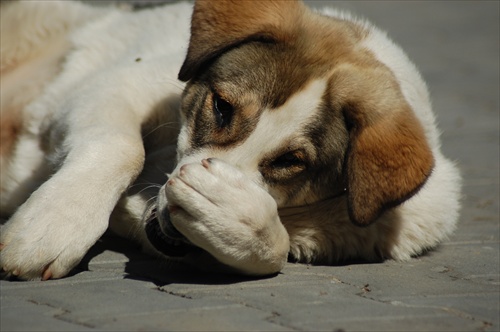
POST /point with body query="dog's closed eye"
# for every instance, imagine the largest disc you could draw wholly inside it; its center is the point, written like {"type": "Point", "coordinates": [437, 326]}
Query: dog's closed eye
{"type": "Point", "coordinates": [223, 111]}
{"type": "Point", "coordinates": [284, 167]}
{"type": "Point", "coordinates": [287, 160]}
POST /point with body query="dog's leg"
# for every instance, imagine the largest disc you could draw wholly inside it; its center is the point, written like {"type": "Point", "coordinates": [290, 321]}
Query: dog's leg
{"type": "Point", "coordinates": [97, 141]}
{"type": "Point", "coordinates": [222, 211]}
{"type": "Point", "coordinates": [54, 228]}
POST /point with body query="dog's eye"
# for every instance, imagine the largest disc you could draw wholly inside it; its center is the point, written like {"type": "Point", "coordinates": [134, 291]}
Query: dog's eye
{"type": "Point", "coordinates": [288, 160]}
{"type": "Point", "coordinates": [285, 167]}
{"type": "Point", "coordinates": [223, 111]}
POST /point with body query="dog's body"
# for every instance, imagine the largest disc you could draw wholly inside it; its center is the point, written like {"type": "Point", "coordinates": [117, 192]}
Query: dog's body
{"type": "Point", "coordinates": [295, 130]}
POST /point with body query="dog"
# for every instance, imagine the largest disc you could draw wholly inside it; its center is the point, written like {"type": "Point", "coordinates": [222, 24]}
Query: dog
{"type": "Point", "coordinates": [233, 135]}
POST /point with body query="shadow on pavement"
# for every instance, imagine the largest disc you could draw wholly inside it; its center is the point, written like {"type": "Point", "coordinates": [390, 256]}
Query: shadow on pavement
{"type": "Point", "coordinates": [161, 272]}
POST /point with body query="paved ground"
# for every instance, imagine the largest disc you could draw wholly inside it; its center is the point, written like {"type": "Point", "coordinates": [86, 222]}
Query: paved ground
{"type": "Point", "coordinates": [456, 45]}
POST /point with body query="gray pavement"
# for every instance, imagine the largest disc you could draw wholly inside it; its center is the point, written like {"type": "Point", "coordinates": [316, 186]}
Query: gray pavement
{"type": "Point", "coordinates": [455, 288]}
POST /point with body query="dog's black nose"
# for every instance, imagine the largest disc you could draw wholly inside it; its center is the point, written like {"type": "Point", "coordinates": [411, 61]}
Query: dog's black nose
{"type": "Point", "coordinates": [168, 228]}
{"type": "Point", "coordinates": [173, 243]}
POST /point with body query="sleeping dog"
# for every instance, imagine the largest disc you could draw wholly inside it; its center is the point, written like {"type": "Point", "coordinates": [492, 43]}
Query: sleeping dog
{"type": "Point", "coordinates": [255, 133]}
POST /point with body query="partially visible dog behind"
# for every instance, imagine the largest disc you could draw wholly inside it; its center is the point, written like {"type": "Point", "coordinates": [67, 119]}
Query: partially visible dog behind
{"type": "Point", "coordinates": [297, 135]}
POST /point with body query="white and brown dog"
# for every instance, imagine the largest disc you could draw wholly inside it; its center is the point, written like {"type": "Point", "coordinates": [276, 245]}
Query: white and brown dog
{"type": "Point", "coordinates": [302, 135]}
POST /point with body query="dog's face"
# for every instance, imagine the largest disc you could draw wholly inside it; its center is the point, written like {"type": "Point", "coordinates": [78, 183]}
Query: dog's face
{"type": "Point", "coordinates": [258, 111]}
{"type": "Point", "coordinates": [296, 102]}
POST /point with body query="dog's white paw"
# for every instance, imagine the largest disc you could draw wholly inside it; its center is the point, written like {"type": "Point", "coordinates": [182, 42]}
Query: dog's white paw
{"type": "Point", "coordinates": [222, 211]}
{"type": "Point", "coordinates": [46, 237]}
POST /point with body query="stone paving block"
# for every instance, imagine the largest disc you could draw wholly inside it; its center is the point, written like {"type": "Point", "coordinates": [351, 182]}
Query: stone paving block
{"type": "Point", "coordinates": [20, 315]}
{"type": "Point", "coordinates": [212, 317]}
{"type": "Point", "coordinates": [118, 298]}
{"type": "Point", "coordinates": [136, 304]}
{"type": "Point", "coordinates": [478, 309]}
{"type": "Point", "coordinates": [413, 322]}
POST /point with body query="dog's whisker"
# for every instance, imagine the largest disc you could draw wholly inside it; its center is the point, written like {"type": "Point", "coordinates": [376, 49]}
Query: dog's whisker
{"type": "Point", "coordinates": [167, 125]}
{"type": "Point", "coordinates": [147, 184]}
{"type": "Point", "coordinates": [162, 171]}
{"type": "Point", "coordinates": [171, 82]}
{"type": "Point", "coordinates": [151, 186]}
{"type": "Point", "coordinates": [148, 202]}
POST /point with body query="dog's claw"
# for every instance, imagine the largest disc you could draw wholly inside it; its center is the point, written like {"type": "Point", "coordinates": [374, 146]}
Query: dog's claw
{"type": "Point", "coordinates": [206, 162]}
{"type": "Point", "coordinates": [47, 274]}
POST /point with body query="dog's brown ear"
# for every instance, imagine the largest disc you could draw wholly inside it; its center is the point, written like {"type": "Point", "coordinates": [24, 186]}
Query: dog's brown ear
{"type": "Point", "coordinates": [388, 158]}
{"type": "Point", "coordinates": [219, 25]}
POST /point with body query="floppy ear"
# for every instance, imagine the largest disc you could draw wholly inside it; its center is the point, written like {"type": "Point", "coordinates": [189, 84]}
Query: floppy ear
{"type": "Point", "coordinates": [388, 158]}
{"type": "Point", "coordinates": [219, 25]}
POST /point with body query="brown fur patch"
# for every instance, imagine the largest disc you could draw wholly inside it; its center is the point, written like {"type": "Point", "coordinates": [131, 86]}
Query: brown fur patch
{"type": "Point", "coordinates": [387, 163]}
{"type": "Point", "coordinates": [388, 158]}
{"type": "Point", "coordinates": [10, 127]}
{"type": "Point", "coordinates": [221, 24]}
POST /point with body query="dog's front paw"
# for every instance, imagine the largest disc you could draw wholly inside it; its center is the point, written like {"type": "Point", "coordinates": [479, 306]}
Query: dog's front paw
{"type": "Point", "coordinates": [45, 239]}
{"type": "Point", "coordinates": [223, 212]}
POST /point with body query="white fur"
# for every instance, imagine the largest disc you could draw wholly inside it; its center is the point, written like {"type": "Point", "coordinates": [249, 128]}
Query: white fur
{"type": "Point", "coordinates": [121, 66]}
{"type": "Point", "coordinates": [431, 215]}
{"type": "Point", "coordinates": [100, 110]}
{"type": "Point", "coordinates": [433, 211]}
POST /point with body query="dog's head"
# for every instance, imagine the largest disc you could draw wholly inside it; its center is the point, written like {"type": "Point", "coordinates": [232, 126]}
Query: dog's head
{"type": "Point", "coordinates": [296, 101]}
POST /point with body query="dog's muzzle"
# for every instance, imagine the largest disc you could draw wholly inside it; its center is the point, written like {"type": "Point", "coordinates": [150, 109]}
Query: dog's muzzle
{"type": "Point", "coordinates": [167, 239]}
